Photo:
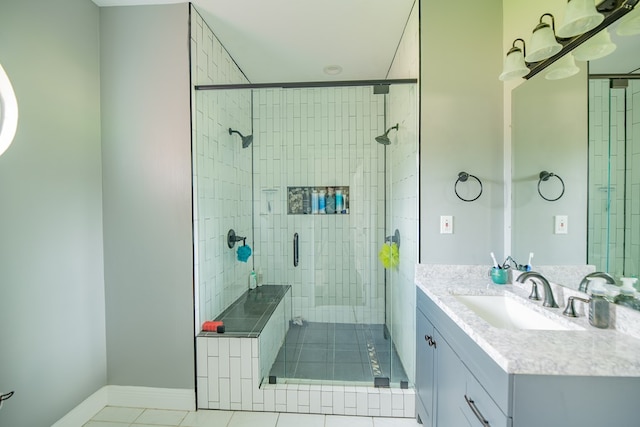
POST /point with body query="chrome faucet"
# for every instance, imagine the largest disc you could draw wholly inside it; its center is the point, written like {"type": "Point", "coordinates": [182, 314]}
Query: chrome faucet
{"type": "Point", "coordinates": [549, 300]}
{"type": "Point", "coordinates": [584, 284]}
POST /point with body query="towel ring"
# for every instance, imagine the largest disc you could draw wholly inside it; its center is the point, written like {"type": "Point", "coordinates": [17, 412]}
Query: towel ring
{"type": "Point", "coordinates": [544, 176]}
{"type": "Point", "coordinates": [463, 177]}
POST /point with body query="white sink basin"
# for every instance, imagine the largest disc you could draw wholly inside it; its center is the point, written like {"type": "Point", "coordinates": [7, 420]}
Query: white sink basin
{"type": "Point", "coordinates": [509, 313]}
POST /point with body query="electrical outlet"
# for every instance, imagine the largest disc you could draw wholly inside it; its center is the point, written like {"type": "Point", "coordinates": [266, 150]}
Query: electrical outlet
{"type": "Point", "coordinates": [561, 224]}
{"type": "Point", "coordinates": [446, 224]}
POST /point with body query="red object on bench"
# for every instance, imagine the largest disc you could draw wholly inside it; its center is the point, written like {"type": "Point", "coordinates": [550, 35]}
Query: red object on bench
{"type": "Point", "coordinates": [213, 326]}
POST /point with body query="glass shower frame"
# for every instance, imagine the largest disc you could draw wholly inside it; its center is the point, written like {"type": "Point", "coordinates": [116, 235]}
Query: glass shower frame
{"type": "Point", "coordinates": [614, 176]}
{"type": "Point", "coordinates": [280, 134]}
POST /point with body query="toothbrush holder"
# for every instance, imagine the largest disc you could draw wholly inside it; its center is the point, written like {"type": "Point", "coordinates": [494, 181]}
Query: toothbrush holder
{"type": "Point", "coordinates": [500, 276]}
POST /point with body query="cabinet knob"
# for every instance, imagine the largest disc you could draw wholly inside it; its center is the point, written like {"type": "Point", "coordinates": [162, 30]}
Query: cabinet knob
{"type": "Point", "coordinates": [430, 340]}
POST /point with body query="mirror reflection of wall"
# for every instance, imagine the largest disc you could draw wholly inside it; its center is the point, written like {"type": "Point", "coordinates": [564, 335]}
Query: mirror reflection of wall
{"type": "Point", "coordinates": [614, 176]}
{"type": "Point", "coordinates": [549, 133]}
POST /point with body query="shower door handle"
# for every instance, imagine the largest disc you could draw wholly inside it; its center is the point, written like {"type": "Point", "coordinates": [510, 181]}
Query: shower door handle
{"type": "Point", "coordinates": [295, 249]}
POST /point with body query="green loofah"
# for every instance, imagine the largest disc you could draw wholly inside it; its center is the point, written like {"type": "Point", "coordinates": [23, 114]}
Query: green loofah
{"type": "Point", "coordinates": [389, 255]}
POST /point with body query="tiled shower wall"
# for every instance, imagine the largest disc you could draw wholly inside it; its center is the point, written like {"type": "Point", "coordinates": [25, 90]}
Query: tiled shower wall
{"type": "Point", "coordinates": [321, 137]}
{"type": "Point", "coordinates": [402, 214]}
{"type": "Point", "coordinates": [222, 174]}
{"type": "Point", "coordinates": [613, 116]}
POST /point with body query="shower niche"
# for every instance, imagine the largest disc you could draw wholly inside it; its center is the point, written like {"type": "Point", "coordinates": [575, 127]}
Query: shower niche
{"type": "Point", "coordinates": [319, 200]}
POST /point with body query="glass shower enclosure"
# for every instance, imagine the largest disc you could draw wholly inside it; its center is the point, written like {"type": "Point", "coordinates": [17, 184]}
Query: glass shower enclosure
{"type": "Point", "coordinates": [316, 198]}
{"type": "Point", "coordinates": [614, 175]}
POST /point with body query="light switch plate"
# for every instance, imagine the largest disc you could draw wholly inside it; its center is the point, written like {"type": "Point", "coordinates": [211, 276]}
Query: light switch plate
{"type": "Point", "coordinates": [446, 224]}
{"type": "Point", "coordinates": [561, 224]}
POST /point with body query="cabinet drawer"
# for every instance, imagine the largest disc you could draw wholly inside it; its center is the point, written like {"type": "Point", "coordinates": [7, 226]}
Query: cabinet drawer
{"type": "Point", "coordinates": [483, 406]}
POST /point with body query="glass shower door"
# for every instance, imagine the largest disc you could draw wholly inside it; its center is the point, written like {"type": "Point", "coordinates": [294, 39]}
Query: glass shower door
{"type": "Point", "coordinates": [318, 143]}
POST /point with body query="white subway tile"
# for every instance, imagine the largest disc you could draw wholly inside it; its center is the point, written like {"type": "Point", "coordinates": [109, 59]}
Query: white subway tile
{"type": "Point", "coordinates": [225, 393]}
{"type": "Point", "coordinates": [213, 389]}
{"type": "Point", "coordinates": [362, 403]}
{"type": "Point", "coordinates": [247, 395]}
{"type": "Point", "coordinates": [201, 357]}
{"type": "Point", "coordinates": [203, 393]}
{"type": "Point", "coordinates": [292, 400]}
{"type": "Point", "coordinates": [269, 399]}
{"type": "Point", "coordinates": [409, 405]}
{"type": "Point", "coordinates": [397, 401]}
{"type": "Point", "coordinates": [315, 401]}
{"type": "Point", "coordinates": [234, 347]}
{"type": "Point", "coordinates": [223, 366]}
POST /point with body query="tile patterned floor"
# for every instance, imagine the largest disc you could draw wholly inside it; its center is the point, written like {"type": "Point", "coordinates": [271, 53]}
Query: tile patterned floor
{"type": "Point", "coordinates": [112, 416]}
{"type": "Point", "coordinates": [339, 352]}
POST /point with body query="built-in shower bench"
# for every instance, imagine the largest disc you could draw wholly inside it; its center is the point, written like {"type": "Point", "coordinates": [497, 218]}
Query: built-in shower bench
{"type": "Point", "coordinates": [232, 365]}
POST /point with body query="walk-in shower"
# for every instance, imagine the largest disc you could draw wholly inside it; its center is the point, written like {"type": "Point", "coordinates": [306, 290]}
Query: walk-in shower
{"type": "Point", "coordinates": [316, 200]}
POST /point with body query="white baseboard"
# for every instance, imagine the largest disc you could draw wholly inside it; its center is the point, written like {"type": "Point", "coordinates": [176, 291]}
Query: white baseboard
{"type": "Point", "coordinates": [85, 411]}
{"type": "Point", "coordinates": [128, 396]}
{"type": "Point", "coordinates": [149, 397]}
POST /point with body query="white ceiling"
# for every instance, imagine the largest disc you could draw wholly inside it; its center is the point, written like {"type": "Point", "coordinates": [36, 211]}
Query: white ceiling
{"type": "Point", "coordinates": [294, 40]}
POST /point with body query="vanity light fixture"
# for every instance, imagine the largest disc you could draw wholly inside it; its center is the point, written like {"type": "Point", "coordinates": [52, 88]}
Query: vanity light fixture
{"type": "Point", "coordinates": [630, 24]}
{"type": "Point", "coordinates": [514, 65]}
{"type": "Point", "coordinates": [580, 16]}
{"type": "Point", "coordinates": [543, 43]}
{"type": "Point", "coordinates": [8, 112]}
{"type": "Point", "coordinates": [596, 47]}
{"type": "Point", "coordinates": [580, 21]}
{"type": "Point", "coordinates": [563, 68]}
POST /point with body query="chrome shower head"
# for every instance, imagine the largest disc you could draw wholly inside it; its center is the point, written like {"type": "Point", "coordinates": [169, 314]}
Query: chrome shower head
{"type": "Point", "coordinates": [246, 140]}
{"type": "Point", "coordinates": [384, 138]}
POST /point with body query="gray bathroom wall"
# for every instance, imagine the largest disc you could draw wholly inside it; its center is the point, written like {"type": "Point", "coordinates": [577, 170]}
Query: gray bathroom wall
{"type": "Point", "coordinates": [146, 148]}
{"type": "Point", "coordinates": [461, 129]}
{"type": "Point", "coordinates": [52, 319]}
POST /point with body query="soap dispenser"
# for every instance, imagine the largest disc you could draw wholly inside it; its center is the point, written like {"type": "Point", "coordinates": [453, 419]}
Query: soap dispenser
{"type": "Point", "coordinates": [627, 295]}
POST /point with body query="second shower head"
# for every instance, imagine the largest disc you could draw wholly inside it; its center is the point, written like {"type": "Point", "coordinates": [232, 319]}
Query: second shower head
{"type": "Point", "coordinates": [246, 140]}
{"type": "Point", "coordinates": [384, 138]}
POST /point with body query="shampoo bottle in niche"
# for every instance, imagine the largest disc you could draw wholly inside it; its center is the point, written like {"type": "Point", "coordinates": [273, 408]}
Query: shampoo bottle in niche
{"type": "Point", "coordinates": [331, 201]}
{"type": "Point", "coordinates": [314, 201]}
{"type": "Point", "coordinates": [322, 202]}
{"type": "Point", "coordinates": [339, 201]}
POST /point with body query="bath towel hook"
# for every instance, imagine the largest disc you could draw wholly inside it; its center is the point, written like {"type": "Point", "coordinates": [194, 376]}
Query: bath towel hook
{"type": "Point", "coordinates": [232, 238]}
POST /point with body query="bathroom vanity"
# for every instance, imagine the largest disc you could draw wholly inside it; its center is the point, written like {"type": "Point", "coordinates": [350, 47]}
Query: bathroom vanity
{"type": "Point", "coordinates": [470, 372]}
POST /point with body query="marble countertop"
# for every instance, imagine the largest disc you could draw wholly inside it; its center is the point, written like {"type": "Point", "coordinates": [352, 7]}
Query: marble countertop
{"type": "Point", "coordinates": [586, 351]}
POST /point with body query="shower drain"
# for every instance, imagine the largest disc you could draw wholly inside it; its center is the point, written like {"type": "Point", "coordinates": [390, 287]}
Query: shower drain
{"type": "Point", "coordinates": [373, 357]}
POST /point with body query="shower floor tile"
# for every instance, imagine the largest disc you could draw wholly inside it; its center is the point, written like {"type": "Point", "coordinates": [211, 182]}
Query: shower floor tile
{"type": "Point", "coordinates": [338, 352]}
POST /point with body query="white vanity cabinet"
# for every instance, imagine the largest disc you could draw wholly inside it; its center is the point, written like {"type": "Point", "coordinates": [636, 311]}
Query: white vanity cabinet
{"type": "Point", "coordinates": [447, 392]}
{"type": "Point", "coordinates": [459, 384]}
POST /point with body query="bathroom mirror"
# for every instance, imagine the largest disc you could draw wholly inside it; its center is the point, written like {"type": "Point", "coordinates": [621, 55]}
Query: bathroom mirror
{"type": "Point", "coordinates": [549, 133]}
{"type": "Point", "coordinates": [8, 111]}
{"type": "Point", "coordinates": [563, 127]}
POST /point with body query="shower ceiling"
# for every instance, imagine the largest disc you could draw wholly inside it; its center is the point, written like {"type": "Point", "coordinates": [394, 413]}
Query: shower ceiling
{"type": "Point", "coordinates": [294, 40]}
